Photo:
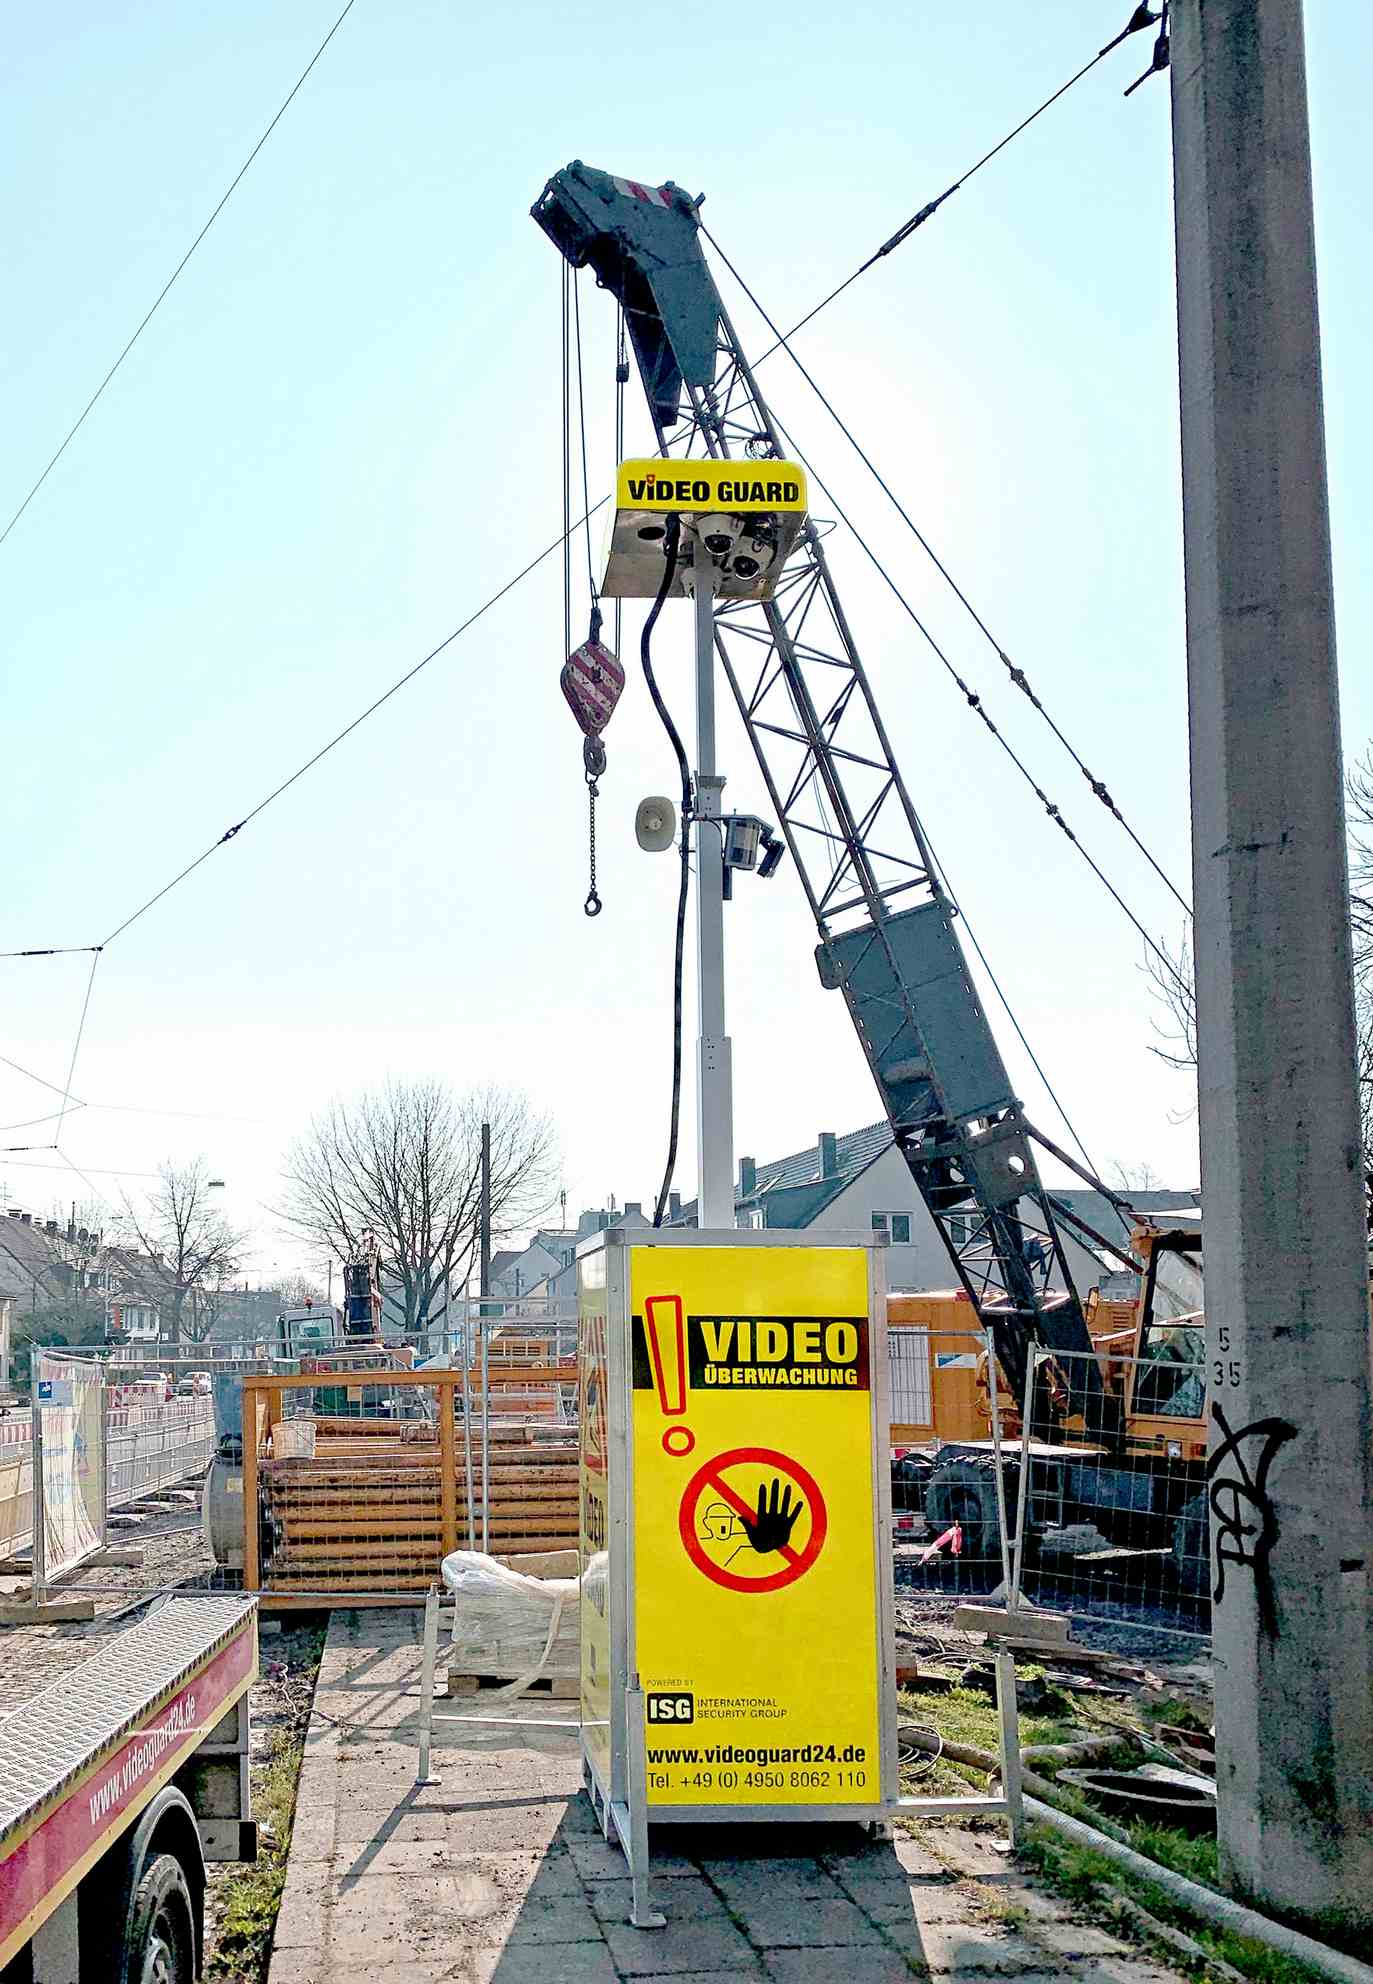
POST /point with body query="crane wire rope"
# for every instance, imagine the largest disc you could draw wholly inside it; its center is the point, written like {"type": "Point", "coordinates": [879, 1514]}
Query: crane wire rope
{"type": "Point", "coordinates": [671, 541]}
{"type": "Point", "coordinates": [975, 703]}
{"type": "Point", "coordinates": [158, 300]}
{"type": "Point", "coordinates": [1017, 674]}
{"type": "Point", "coordinates": [1141, 18]}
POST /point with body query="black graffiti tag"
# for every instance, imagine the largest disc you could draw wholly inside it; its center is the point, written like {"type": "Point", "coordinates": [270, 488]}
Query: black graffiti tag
{"type": "Point", "coordinates": [1246, 1524]}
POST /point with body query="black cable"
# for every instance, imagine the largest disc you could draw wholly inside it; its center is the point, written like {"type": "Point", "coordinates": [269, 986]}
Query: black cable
{"type": "Point", "coordinates": [671, 540]}
{"type": "Point", "coordinates": [1141, 18]}
{"type": "Point", "coordinates": [233, 184]}
{"type": "Point", "coordinates": [1017, 675]}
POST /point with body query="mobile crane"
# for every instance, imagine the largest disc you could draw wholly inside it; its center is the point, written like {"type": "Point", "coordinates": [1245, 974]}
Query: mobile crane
{"type": "Point", "coordinates": [886, 921]}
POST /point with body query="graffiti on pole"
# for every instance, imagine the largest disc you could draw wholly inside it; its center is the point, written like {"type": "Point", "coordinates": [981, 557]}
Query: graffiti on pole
{"type": "Point", "coordinates": [1244, 1522]}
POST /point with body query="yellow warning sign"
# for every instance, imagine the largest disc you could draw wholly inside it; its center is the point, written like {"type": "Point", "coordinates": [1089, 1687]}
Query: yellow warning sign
{"type": "Point", "coordinates": [756, 1628]}
{"type": "Point", "coordinates": [693, 488]}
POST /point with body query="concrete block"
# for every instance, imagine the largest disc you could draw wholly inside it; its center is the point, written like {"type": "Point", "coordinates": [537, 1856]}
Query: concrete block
{"type": "Point", "coordinates": [743, 1882]}
{"type": "Point", "coordinates": [825, 1966]}
{"type": "Point", "coordinates": [968, 1950]}
{"type": "Point", "coordinates": [53, 1612]}
{"type": "Point", "coordinates": [783, 1920]}
{"type": "Point", "coordinates": [687, 1899]}
{"type": "Point", "coordinates": [707, 1946]}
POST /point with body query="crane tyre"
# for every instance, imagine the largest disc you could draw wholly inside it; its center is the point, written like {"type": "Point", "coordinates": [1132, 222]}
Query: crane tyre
{"type": "Point", "coordinates": [161, 1945]}
{"type": "Point", "coordinates": [962, 1490]}
{"type": "Point", "coordinates": [1191, 1546]}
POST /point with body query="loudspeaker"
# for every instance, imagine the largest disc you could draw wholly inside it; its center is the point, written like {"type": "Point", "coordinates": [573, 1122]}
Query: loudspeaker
{"type": "Point", "coordinates": [655, 825]}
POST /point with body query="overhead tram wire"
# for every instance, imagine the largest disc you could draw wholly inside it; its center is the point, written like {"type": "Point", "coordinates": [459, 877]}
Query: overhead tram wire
{"type": "Point", "coordinates": [158, 300]}
{"type": "Point", "coordinates": [1017, 674]}
{"type": "Point", "coordinates": [231, 833]}
{"type": "Point", "coordinates": [1140, 19]}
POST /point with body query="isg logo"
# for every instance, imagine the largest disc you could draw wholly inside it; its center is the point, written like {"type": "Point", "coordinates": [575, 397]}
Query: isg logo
{"type": "Point", "coordinates": [671, 1708]}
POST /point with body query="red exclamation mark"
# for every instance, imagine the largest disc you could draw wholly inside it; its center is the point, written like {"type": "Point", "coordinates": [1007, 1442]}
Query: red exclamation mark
{"type": "Point", "coordinates": [667, 1348]}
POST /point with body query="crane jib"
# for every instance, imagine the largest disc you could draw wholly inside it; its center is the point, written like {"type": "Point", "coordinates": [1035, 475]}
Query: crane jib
{"type": "Point", "coordinates": [887, 928]}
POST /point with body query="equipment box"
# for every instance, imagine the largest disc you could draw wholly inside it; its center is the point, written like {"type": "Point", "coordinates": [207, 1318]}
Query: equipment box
{"type": "Point", "coordinates": [737, 1653]}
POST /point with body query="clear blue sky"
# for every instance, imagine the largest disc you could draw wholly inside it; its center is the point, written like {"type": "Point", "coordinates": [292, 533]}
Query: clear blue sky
{"type": "Point", "coordinates": [341, 431]}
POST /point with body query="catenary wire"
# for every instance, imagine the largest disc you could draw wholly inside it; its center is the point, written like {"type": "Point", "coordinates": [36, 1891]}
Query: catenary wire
{"type": "Point", "coordinates": [76, 1048]}
{"type": "Point", "coordinates": [232, 832]}
{"type": "Point", "coordinates": [162, 293]}
{"type": "Point", "coordinates": [348, 729]}
{"type": "Point", "coordinates": [1141, 18]}
{"type": "Point", "coordinates": [1017, 674]}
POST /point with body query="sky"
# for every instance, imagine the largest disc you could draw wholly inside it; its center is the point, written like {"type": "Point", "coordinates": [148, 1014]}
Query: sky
{"type": "Point", "coordinates": [341, 432]}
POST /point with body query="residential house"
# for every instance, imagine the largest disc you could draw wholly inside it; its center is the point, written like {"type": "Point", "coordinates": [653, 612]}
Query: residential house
{"type": "Point", "coordinates": [860, 1183]}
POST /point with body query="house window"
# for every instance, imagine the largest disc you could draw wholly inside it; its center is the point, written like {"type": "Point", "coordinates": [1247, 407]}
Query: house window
{"type": "Point", "coordinates": [892, 1226]}
{"type": "Point", "coordinates": [961, 1227]}
{"type": "Point", "coordinates": [750, 1219]}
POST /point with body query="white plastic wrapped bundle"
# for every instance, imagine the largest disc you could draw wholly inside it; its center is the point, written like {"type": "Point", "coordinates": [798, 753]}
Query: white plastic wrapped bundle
{"type": "Point", "coordinates": [507, 1624]}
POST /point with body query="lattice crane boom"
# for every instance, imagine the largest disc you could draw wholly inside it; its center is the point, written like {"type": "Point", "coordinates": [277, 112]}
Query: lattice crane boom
{"type": "Point", "coordinates": [887, 924]}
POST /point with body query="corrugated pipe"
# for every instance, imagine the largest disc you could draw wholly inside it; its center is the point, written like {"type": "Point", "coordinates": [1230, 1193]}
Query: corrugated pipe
{"type": "Point", "coordinates": [1206, 1902]}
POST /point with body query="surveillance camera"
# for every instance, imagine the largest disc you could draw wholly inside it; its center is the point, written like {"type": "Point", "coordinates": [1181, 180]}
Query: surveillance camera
{"type": "Point", "coordinates": [718, 533]}
{"type": "Point", "coordinates": [757, 548]}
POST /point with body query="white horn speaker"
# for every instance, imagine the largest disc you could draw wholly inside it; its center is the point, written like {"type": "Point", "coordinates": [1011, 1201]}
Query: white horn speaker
{"type": "Point", "coordinates": [655, 825]}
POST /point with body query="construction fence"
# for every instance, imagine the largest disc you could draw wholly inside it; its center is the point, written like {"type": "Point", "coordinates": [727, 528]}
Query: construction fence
{"type": "Point", "coordinates": [357, 1485]}
{"type": "Point", "coordinates": [1111, 1519]}
{"type": "Point", "coordinates": [86, 1447]}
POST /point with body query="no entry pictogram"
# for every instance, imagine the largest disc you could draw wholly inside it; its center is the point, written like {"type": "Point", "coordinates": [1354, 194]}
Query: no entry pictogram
{"type": "Point", "coordinates": [725, 1480]}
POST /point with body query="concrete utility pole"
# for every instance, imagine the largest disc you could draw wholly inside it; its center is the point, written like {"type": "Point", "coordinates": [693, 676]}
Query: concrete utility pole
{"type": "Point", "coordinates": [1291, 1465]}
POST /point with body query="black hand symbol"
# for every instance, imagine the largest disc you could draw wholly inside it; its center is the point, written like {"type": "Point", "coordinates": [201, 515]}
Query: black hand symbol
{"type": "Point", "coordinates": [771, 1528]}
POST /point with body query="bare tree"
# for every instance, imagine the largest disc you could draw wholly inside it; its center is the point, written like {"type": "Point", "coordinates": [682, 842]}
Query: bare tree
{"type": "Point", "coordinates": [298, 1289]}
{"type": "Point", "coordinates": [191, 1242]}
{"type": "Point", "coordinates": [1175, 987]}
{"type": "Point", "coordinates": [404, 1163]}
{"type": "Point", "coordinates": [1137, 1177]}
{"type": "Point", "coordinates": [1174, 980]}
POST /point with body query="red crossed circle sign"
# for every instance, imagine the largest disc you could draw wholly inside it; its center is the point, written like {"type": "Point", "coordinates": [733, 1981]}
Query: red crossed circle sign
{"type": "Point", "coordinates": [712, 1478]}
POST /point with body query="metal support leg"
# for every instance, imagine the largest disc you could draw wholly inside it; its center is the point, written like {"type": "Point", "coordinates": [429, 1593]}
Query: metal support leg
{"type": "Point", "coordinates": [1010, 1744]}
{"type": "Point", "coordinates": [642, 1913]}
{"type": "Point", "coordinates": [431, 1650]}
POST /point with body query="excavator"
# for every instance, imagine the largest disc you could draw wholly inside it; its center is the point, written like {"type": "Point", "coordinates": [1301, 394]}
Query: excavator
{"type": "Point", "coordinates": [888, 927]}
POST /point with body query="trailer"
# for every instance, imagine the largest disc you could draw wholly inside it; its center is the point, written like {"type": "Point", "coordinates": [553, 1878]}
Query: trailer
{"type": "Point", "coordinates": [117, 1784]}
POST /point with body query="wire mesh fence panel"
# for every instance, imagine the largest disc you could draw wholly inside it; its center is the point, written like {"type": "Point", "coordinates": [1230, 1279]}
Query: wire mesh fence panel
{"type": "Point", "coordinates": [16, 1485]}
{"type": "Point", "coordinates": [156, 1446]}
{"type": "Point", "coordinates": [1112, 1519]}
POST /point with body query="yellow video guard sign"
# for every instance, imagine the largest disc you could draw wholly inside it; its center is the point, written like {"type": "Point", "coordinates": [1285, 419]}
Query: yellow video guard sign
{"type": "Point", "coordinates": [756, 1635]}
{"type": "Point", "coordinates": [742, 487]}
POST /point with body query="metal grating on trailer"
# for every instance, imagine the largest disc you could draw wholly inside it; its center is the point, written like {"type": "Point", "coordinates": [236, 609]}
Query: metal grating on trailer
{"type": "Point", "coordinates": [58, 1735]}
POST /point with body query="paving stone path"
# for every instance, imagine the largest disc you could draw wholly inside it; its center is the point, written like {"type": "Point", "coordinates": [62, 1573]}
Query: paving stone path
{"type": "Point", "coordinates": [499, 1874]}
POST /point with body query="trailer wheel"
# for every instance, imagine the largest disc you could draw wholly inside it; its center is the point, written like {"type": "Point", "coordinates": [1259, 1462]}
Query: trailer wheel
{"type": "Point", "coordinates": [1191, 1546]}
{"type": "Point", "coordinates": [963, 1491]}
{"type": "Point", "coordinates": [161, 1945]}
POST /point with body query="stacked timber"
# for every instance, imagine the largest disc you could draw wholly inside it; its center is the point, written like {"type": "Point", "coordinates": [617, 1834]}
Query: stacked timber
{"type": "Point", "coordinates": [365, 1512]}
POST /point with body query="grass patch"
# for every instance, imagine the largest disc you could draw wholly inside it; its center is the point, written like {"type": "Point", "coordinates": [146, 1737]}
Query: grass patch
{"type": "Point", "coordinates": [247, 1898]}
{"type": "Point", "coordinates": [1088, 1878]}
{"type": "Point", "coordinates": [251, 1897]}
